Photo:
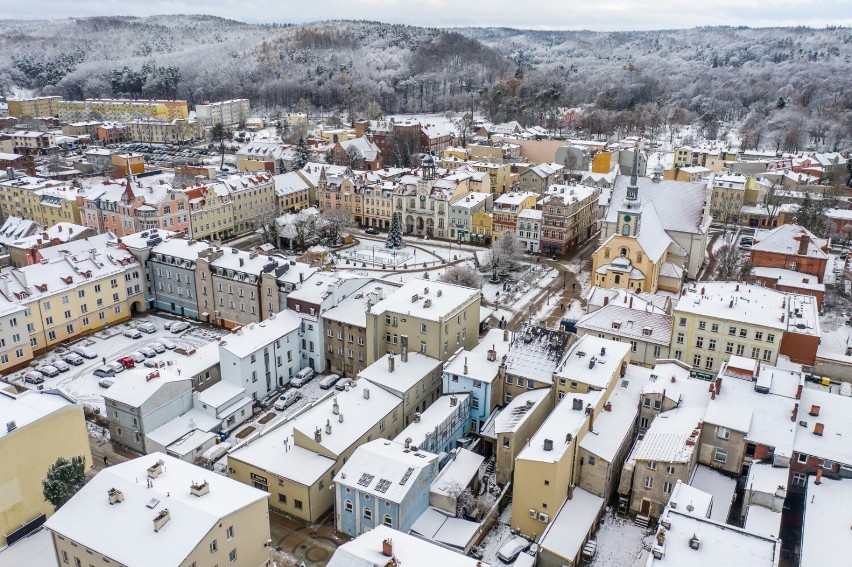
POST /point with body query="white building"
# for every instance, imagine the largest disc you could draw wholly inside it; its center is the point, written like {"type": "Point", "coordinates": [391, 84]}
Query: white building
{"type": "Point", "coordinates": [529, 229]}
{"type": "Point", "coordinates": [262, 356]}
{"type": "Point", "coordinates": [226, 112]}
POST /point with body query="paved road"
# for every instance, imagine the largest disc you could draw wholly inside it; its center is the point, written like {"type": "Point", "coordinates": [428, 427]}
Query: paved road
{"type": "Point", "coordinates": [102, 447]}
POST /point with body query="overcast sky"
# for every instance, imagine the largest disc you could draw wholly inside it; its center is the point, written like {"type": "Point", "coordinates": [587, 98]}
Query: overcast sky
{"type": "Point", "coordinates": [537, 14]}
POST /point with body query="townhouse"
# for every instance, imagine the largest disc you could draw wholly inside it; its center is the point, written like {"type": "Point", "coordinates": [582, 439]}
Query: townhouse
{"type": "Point", "coordinates": [271, 157]}
{"type": "Point", "coordinates": [512, 427]}
{"type": "Point", "coordinates": [716, 320]}
{"type": "Point", "coordinates": [41, 200]}
{"type": "Point", "coordinates": [211, 212]}
{"type": "Point", "coordinates": [151, 131]}
{"type": "Point", "coordinates": [377, 204]}
{"type": "Point", "coordinates": [463, 211]}
{"type": "Point", "coordinates": [253, 198]}
{"type": "Point", "coordinates": [441, 426]}
{"type": "Point", "coordinates": [297, 460]}
{"type": "Point", "coordinates": [27, 250]}
{"type": "Point", "coordinates": [412, 377]}
{"type": "Point", "coordinates": [292, 192]}
{"type": "Point", "coordinates": [41, 425]}
{"type": "Point", "coordinates": [569, 217]}
{"type": "Point", "coordinates": [435, 316]}
{"type": "Point", "coordinates": [507, 207]}
{"type": "Point", "coordinates": [126, 207]}
{"type": "Point", "coordinates": [790, 258]}
{"type": "Point", "coordinates": [216, 520]}
{"type": "Point", "coordinates": [534, 354]}
{"type": "Point", "coordinates": [538, 178]}
{"type": "Point", "coordinates": [530, 229]}
{"type": "Point", "coordinates": [649, 333]}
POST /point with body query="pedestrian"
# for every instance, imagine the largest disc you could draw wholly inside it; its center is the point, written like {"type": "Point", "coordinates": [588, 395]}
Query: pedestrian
{"type": "Point", "coordinates": [573, 286]}
{"type": "Point", "coordinates": [105, 461]}
{"type": "Point", "coordinates": [562, 305]}
{"type": "Point", "coordinates": [104, 360]}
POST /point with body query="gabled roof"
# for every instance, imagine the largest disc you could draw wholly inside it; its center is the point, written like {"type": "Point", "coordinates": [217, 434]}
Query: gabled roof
{"type": "Point", "coordinates": [616, 319]}
{"type": "Point", "coordinates": [679, 204]}
{"type": "Point", "coordinates": [787, 238]}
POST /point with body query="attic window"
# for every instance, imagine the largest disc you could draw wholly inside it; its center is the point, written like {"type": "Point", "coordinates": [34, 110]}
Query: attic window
{"type": "Point", "coordinates": [647, 331]}
{"type": "Point", "coordinates": [616, 324]}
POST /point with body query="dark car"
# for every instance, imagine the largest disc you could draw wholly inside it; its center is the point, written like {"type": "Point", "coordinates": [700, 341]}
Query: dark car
{"type": "Point", "coordinates": [371, 231]}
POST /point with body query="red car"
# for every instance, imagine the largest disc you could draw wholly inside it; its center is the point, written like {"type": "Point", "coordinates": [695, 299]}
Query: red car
{"type": "Point", "coordinates": [127, 362]}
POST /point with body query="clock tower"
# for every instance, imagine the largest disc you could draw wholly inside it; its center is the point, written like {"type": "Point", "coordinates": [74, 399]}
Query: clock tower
{"type": "Point", "coordinates": [629, 213]}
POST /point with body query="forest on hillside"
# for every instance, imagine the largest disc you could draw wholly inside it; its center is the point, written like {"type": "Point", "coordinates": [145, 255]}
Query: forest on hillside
{"type": "Point", "coordinates": [779, 88]}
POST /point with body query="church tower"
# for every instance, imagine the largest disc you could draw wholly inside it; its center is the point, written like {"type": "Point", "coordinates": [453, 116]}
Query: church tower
{"type": "Point", "coordinates": [629, 213]}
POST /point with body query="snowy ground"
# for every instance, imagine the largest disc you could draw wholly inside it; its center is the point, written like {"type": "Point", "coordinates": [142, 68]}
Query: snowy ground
{"type": "Point", "coordinates": [496, 537]}
{"type": "Point", "coordinates": [79, 381]}
{"type": "Point", "coordinates": [621, 543]}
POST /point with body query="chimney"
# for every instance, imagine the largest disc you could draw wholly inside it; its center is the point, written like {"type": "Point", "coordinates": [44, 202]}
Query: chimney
{"type": "Point", "coordinates": [506, 336]}
{"type": "Point", "coordinates": [814, 411]}
{"type": "Point", "coordinates": [795, 412]}
{"type": "Point", "coordinates": [603, 351]}
{"type": "Point", "coordinates": [819, 428]}
{"type": "Point", "coordinates": [799, 392]}
{"type": "Point", "coordinates": [591, 363]}
{"type": "Point", "coordinates": [737, 288]}
{"type": "Point", "coordinates": [702, 291]}
{"type": "Point", "coordinates": [387, 548]}
{"type": "Point", "coordinates": [417, 417]}
{"type": "Point", "coordinates": [115, 496]}
{"type": "Point", "coordinates": [804, 240]}
{"type": "Point", "coordinates": [492, 354]}
{"type": "Point", "coordinates": [335, 408]}
{"type": "Point", "coordinates": [590, 411]}
{"type": "Point", "coordinates": [366, 393]}
{"type": "Point", "coordinates": [718, 386]}
{"type": "Point", "coordinates": [576, 404]}
{"type": "Point", "coordinates": [818, 479]}
{"type": "Point", "coordinates": [530, 403]}
{"type": "Point", "coordinates": [465, 365]}
{"type": "Point", "coordinates": [161, 519]}
{"type": "Point", "coordinates": [548, 444]}
{"type": "Point", "coordinates": [674, 379]}
{"type": "Point", "coordinates": [454, 401]}
{"type": "Point", "coordinates": [328, 427]}
{"type": "Point", "coordinates": [199, 489]}
{"type": "Point", "coordinates": [156, 469]}
{"type": "Point", "coordinates": [408, 441]}
{"type": "Point", "coordinates": [606, 301]}
{"type": "Point", "coordinates": [390, 362]}
{"type": "Point", "coordinates": [731, 304]}
{"type": "Point", "coordinates": [608, 406]}
{"type": "Point", "coordinates": [340, 416]}
{"type": "Point", "coordinates": [712, 393]}
{"type": "Point", "coordinates": [318, 435]}
{"type": "Point", "coordinates": [301, 277]}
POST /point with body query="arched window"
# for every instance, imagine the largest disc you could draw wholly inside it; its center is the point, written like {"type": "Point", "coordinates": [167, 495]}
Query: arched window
{"type": "Point", "coordinates": [606, 253]}
{"type": "Point", "coordinates": [625, 229]}
{"type": "Point", "coordinates": [638, 256]}
{"type": "Point", "coordinates": [617, 278]}
{"type": "Point", "coordinates": [624, 252]}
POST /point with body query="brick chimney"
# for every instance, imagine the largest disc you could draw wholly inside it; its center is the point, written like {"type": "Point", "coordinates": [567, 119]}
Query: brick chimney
{"type": "Point", "coordinates": [804, 240]}
{"type": "Point", "coordinates": [818, 479]}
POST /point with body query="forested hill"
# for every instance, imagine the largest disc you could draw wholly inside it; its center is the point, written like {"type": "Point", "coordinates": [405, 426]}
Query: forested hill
{"type": "Point", "coordinates": [772, 79]}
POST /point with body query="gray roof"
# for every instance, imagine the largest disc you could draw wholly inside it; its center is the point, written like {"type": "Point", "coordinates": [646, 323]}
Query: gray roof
{"type": "Point", "coordinates": [680, 205]}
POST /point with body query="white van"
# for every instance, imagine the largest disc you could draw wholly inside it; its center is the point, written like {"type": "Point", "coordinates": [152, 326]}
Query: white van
{"type": "Point", "coordinates": [302, 377]}
{"type": "Point", "coordinates": [329, 381]}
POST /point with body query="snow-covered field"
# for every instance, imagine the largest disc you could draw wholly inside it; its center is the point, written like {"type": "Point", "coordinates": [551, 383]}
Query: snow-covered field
{"type": "Point", "coordinates": [79, 381]}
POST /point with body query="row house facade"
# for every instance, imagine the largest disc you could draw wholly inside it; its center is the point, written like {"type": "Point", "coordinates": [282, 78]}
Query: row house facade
{"type": "Point", "coordinates": [463, 214]}
{"type": "Point", "coordinates": [253, 200]}
{"type": "Point", "coordinates": [43, 201]}
{"type": "Point", "coordinates": [127, 207]}
{"type": "Point", "coordinates": [569, 214]}
{"type": "Point", "coordinates": [506, 209]}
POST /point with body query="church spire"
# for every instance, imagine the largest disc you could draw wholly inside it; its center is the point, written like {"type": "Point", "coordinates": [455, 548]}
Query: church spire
{"type": "Point", "coordinates": [633, 188]}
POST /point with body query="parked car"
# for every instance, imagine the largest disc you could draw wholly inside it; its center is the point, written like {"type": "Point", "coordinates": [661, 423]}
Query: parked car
{"type": "Point", "coordinates": [48, 370]}
{"type": "Point", "coordinates": [168, 325]}
{"type": "Point", "coordinates": [287, 400]}
{"type": "Point", "coordinates": [60, 365]}
{"type": "Point", "coordinates": [33, 377]}
{"type": "Point", "coordinates": [85, 352]}
{"type": "Point", "coordinates": [513, 547]}
{"type": "Point", "coordinates": [116, 366]}
{"type": "Point", "coordinates": [167, 343]}
{"type": "Point", "coordinates": [148, 352]}
{"type": "Point", "coordinates": [151, 363]}
{"type": "Point", "coordinates": [127, 362]}
{"type": "Point", "coordinates": [147, 328]}
{"type": "Point", "coordinates": [302, 377]}
{"type": "Point", "coordinates": [329, 381]}
{"type": "Point", "coordinates": [179, 327]}
{"type": "Point", "coordinates": [104, 372]}
{"type": "Point", "coordinates": [371, 230]}
{"type": "Point", "coordinates": [105, 382]}
{"type": "Point", "coordinates": [137, 356]}
{"type": "Point", "coordinates": [73, 358]}
{"type": "Point", "coordinates": [158, 347]}
{"type": "Point", "coordinates": [132, 333]}
{"type": "Point", "coordinates": [341, 385]}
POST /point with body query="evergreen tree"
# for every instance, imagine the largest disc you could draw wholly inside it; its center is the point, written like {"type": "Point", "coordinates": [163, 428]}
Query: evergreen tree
{"type": "Point", "coordinates": [303, 155]}
{"type": "Point", "coordinates": [64, 478]}
{"type": "Point", "coordinates": [395, 241]}
{"type": "Point", "coordinates": [220, 134]}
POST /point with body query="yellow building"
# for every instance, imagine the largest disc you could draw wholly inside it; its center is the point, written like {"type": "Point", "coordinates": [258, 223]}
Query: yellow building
{"type": "Point", "coordinates": [122, 162]}
{"type": "Point", "coordinates": [153, 131]}
{"type": "Point", "coordinates": [159, 510]}
{"type": "Point", "coordinates": [377, 204]}
{"type": "Point", "coordinates": [480, 227]}
{"type": "Point", "coordinates": [602, 162]}
{"type": "Point", "coordinates": [504, 215]}
{"type": "Point", "coordinates": [455, 152]}
{"type": "Point", "coordinates": [39, 427]}
{"type": "Point", "coordinates": [500, 175]}
{"type": "Point", "coordinates": [43, 201]}
{"type": "Point", "coordinates": [39, 106]}
{"type": "Point", "coordinates": [74, 295]}
{"type": "Point", "coordinates": [122, 110]}
{"type": "Point", "coordinates": [253, 198]}
{"type": "Point", "coordinates": [293, 191]}
{"type": "Point", "coordinates": [211, 212]}
{"type": "Point", "coordinates": [333, 135]}
{"type": "Point", "coordinates": [296, 460]}
{"type": "Point", "coordinates": [438, 318]}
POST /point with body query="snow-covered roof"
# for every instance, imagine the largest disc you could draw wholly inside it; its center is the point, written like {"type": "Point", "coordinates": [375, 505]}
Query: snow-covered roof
{"type": "Point", "coordinates": [536, 352]}
{"type": "Point", "coordinates": [509, 200]}
{"type": "Point", "coordinates": [648, 326]}
{"type": "Point", "coordinates": [751, 304]}
{"type": "Point", "coordinates": [136, 385]}
{"type": "Point", "coordinates": [437, 526]}
{"type": "Point", "coordinates": [516, 412]}
{"type": "Point", "coordinates": [462, 468]}
{"type": "Point", "coordinates": [432, 418]}
{"type": "Point", "coordinates": [365, 148]}
{"type": "Point", "coordinates": [560, 428]}
{"type": "Point", "coordinates": [289, 183]}
{"type": "Point", "coordinates": [828, 516]}
{"type": "Point", "coordinates": [476, 360]}
{"type": "Point", "coordinates": [599, 297]}
{"type": "Point", "coordinates": [124, 532]}
{"type": "Point", "coordinates": [352, 310]}
{"type": "Point", "coordinates": [720, 544]}
{"type": "Point", "coordinates": [789, 278]}
{"type": "Point", "coordinates": [470, 200]}
{"type": "Point", "coordinates": [219, 393]}
{"type": "Point", "coordinates": [322, 285]}
{"type": "Point", "coordinates": [530, 214]}
{"type": "Point", "coordinates": [653, 237]}
{"type": "Point", "coordinates": [404, 376]}
{"type": "Point", "coordinates": [763, 521]}
{"type": "Point", "coordinates": [567, 531]}
{"type": "Point", "coordinates": [30, 406]}
{"type": "Point", "coordinates": [691, 499]}
{"type": "Point", "coordinates": [196, 361]}
{"type": "Point", "coordinates": [34, 550]}
{"type": "Point", "coordinates": [567, 194]}
{"type": "Point", "coordinates": [62, 232]}
{"type": "Point", "coordinates": [74, 247]}
{"type": "Point", "coordinates": [786, 239]}
{"type": "Point", "coordinates": [180, 248]}
{"type": "Point", "coordinates": [442, 299]}
{"type": "Point", "coordinates": [269, 452]}
{"type": "Point", "coordinates": [763, 477]}
{"type": "Point", "coordinates": [578, 363]}
{"type": "Point", "coordinates": [380, 461]}
{"type": "Point", "coordinates": [835, 414]}
{"type": "Point", "coordinates": [366, 551]}
{"type": "Point", "coordinates": [179, 428]}
{"type": "Point", "coordinates": [679, 204]}
{"type": "Point", "coordinates": [244, 262]}
{"type": "Point", "coordinates": [721, 487]}
{"type": "Point", "coordinates": [614, 425]}
{"type": "Point", "coordinates": [255, 336]}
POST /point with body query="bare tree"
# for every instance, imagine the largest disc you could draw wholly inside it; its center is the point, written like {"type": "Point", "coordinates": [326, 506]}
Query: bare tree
{"type": "Point", "coordinates": [731, 265]}
{"type": "Point", "coordinates": [461, 275]}
{"type": "Point", "coordinates": [504, 256]}
{"type": "Point", "coordinates": [772, 202]}
{"type": "Point", "coordinates": [333, 224]}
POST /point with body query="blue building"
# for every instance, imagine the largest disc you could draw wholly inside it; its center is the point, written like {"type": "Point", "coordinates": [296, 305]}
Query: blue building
{"type": "Point", "coordinates": [171, 269]}
{"type": "Point", "coordinates": [478, 373]}
{"type": "Point", "coordinates": [439, 427]}
{"type": "Point", "coordinates": [383, 484]}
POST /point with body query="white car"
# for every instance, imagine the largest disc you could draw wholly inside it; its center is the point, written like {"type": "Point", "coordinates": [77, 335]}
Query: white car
{"type": "Point", "coordinates": [117, 367]}
{"type": "Point", "coordinates": [33, 377]}
{"type": "Point", "coordinates": [73, 358]}
{"type": "Point", "coordinates": [158, 347]}
{"type": "Point", "coordinates": [60, 365]}
{"type": "Point", "coordinates": [167, 343]}
{"type": "Point", "coordinates": [179, 327]}
{"type": "Point", "coordinates": [148, 352]}
{"type": "Point", "coordinates": [147, 328]}
{"type": "Point", "coordinates": [287, 400]}
{"type": "Point", "coordinates": [48, 370]}
{"type": "Point", "coordinates": [85, 352]}
{"type": "Point", "coordinates": [513, 547]}
{"type": "Point", "coordinates": [105, 382]}
{"type": "Point", "coordinates": [136, 356]}
{"type": "Point", "coordinates": [132, 333]}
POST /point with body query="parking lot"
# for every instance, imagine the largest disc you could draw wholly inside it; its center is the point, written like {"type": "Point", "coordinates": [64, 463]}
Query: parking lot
{"type": "Point", "coordinates": [108, 346]}
{"type": "Point", "coordinates": [168, 155]}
